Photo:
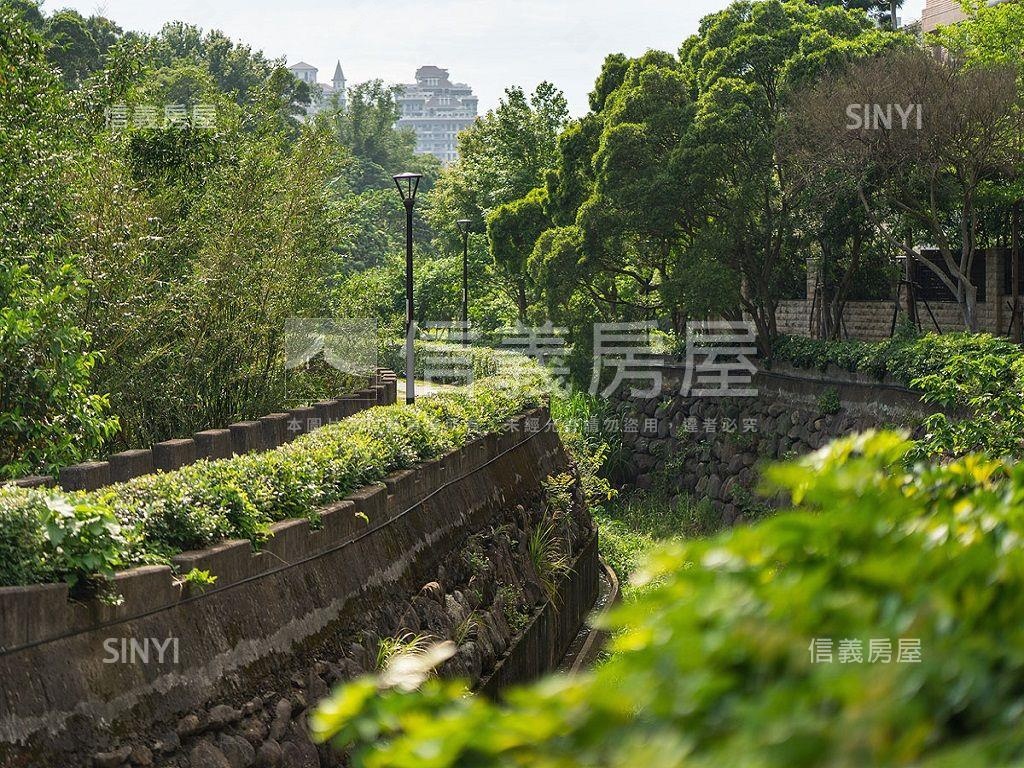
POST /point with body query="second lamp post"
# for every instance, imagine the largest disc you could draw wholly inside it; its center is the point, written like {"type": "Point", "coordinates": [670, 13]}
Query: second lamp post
{"type": "Point", "coordinates": [464, 229]}
{"type": "Point", "coordinates": [407, 184]}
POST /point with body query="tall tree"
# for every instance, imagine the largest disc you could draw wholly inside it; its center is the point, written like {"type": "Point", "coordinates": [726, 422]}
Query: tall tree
{"type": "Point", "coordinates": [512, 231]}
{"type": "Point", "coordinates": [367, 128]}
{"type": "Point", "coordinates": [928, 175]}
{"type": "Point", "coordinates": [879, 10]}
{"type": "Point", "coordinates": [502, 158]}
{"type": "Point", "coordinates": [49, 414]}
{"type": "Point", "coordinates": [745, 65]}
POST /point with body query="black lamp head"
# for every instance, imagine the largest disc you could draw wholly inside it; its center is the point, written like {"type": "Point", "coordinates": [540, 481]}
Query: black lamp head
{"type": "Point", "coordinates": [407, 184]}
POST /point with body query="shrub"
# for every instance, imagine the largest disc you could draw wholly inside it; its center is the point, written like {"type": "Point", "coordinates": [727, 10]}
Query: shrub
{"type": "Point", "coordinates": [240, 497]}
{"type": "Point", "coordinates": [22, 540]}
{"type": "Point", "coordinates": [712, 663]}
{"type": "Point", "coordinates": [49, 412]}
{"type": "Point", "coordinates": [829, 402]}
{"type": "Point", "coordinates": [46, 536]}
{"type": "Point", "coordinates": [83, 539]}
{"type": "Point", "coordinates": [976, 379]}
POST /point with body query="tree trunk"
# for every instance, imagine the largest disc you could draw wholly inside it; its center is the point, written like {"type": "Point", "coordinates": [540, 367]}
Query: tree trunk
{"type": "Point", "coordinates": [969, 305]}
{"type": "Point", "coordinates": [1016, 317]}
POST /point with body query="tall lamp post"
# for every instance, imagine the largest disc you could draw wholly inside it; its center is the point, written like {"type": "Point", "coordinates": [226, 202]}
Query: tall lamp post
{"type": "Point", "coordinates": [407, 184]}
{"type": "Point", "coordinates": [464, 229]}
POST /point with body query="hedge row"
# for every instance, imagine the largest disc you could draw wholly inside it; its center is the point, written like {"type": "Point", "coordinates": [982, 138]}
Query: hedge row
{"type": "Point", "coordinates": [48, 536]}
{"type": "Point", "coordinates": [978, 378]}
{"type": "Point", "coordinates": [733, 653]}
{"type": "Point", "coordinates": [905, 358]}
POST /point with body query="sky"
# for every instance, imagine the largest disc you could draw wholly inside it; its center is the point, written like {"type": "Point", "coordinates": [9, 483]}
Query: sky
{"type": "Point", "coordinates": [489, 44]}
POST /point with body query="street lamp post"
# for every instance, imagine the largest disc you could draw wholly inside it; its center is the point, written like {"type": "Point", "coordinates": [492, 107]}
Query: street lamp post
{"type": "Point", "coordinates": [464, 228]}
{"type": "Point", "coordinates": [407, 184]}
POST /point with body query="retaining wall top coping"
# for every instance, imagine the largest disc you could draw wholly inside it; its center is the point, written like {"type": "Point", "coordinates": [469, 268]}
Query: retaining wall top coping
{"type": "Point", "coordinates": [152, 587]}
{"type": "Point", "coordinates": [833, 374]}
{"type": "Point", "coordinates": [206, 447]}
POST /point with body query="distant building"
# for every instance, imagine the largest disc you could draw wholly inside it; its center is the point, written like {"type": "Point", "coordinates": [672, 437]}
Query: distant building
{"type": "Point", "coordinates": [938, 13]}
{"type": "Point", "coordinates": [436, 109]}
{"type": "Point", "coordinates": [307, 74]}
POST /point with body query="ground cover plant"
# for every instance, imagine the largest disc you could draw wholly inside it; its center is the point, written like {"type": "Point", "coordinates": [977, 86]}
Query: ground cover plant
{"type": "Point", "coordinates": [712, 661]}
{"type": "Point", "coordinates": [47, 535]}
{"type": "Point", "coordinates": [975, 378]}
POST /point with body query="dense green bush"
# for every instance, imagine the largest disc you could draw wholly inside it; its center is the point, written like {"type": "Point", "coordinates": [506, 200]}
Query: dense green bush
{"type": "Point", "coordinates": [712, 663]}
{"type": "Point", "coordinates": [49, 414]}
{"type": "Point", "coordinates": [159, 515]}
{"type": "Point", "coordinates": [976, 378]}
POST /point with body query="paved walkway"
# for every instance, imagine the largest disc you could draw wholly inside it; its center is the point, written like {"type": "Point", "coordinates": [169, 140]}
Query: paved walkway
{"type": "Point", "coordinates": [424, 389]}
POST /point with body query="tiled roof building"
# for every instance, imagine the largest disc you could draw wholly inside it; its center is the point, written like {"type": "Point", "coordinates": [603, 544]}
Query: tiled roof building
{"type": "Point", "coordinates": [307, 73]}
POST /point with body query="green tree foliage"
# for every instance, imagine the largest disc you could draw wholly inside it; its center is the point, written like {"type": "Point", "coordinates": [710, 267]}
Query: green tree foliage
{"type": "Point", "coordinates": [635, 211]}
{"type": "Point", "coordinates": [990, 35]}
{"type": "Point", "coordinates": [76, 45]}
{"type": "Point", "coordinates": [879, 10]}
{"type": "Point", "coordinates": [49, 414]}
{"type": "Point", "coordinates": [512, 230]}
{"type": "Point", "coordinates": [674, 190]}
{"type": "Point", "coordinates": [72, 47]}
{"type": "Point", "coordinates": [237, 70]}
{"type": "Point", "coordinates": [748, 63]}
{"type": "Point", "coordinates": [366, 127]}
{"type": "Point", "coordinates": [502, 158]}
{"type": "Point", "coordinates": [712, 662]}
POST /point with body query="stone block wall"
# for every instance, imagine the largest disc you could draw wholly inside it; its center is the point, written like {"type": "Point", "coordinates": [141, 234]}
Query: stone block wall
{"type": "Point", "coordinates": [713, 449]}
{"type": "Point", "coordinates": [872, 320]}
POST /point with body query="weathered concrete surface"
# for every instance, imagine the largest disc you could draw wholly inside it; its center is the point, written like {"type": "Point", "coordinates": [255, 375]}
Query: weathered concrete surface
{"type": "Point", "coordinates": [268, 611]}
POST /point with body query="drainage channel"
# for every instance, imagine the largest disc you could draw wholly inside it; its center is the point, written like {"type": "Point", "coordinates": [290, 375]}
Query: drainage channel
{"type": "Point", "coordinates": [588, 643]}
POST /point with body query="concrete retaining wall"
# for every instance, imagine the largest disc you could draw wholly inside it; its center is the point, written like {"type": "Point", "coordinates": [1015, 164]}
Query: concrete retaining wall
{"type": "Point", "coordinates": [309, 586]}
{"type": "Point", "coordinates": [553, 627]}
{"type": "Point", "coordinates": [263, 434]}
